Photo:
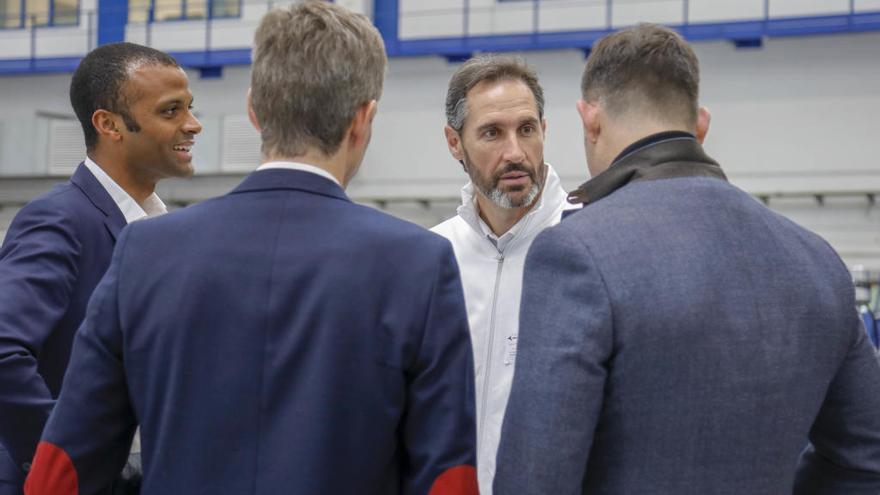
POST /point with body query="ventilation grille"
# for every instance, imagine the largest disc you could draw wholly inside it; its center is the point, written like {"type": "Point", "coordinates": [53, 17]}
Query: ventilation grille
{"type": "Point", "coordinates": [66, 146]}
{"type": "Point", "coordinates": [241, 144]}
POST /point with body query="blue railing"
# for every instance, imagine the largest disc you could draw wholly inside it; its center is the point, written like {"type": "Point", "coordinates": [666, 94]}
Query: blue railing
{"type": "Point", "coordinates": [744, 33]}
{"type": "Point", "coordinates": [54, 15]}
{"type": "Point", "coordinates": [109, 23]}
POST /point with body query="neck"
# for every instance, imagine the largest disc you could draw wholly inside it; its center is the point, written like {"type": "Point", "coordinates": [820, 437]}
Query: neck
{"type": "Point", "coordinates": [136, 186]}
{"type": "Point", "coordinates": [629, 133]}
{"type": "Point", "coordinates": [335, 165]}
{"type": "Point", "coordinates": [499, 219]}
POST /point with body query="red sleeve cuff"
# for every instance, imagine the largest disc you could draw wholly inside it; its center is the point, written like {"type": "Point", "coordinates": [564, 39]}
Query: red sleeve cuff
{"type": "Point", "coordinates": [458, 480]}
{"type": "Point", "coordinates": [52, 472]}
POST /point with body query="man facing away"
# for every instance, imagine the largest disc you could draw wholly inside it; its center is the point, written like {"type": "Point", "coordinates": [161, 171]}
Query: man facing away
{"type": "Point", "coordinates": [280, 338]}
{"type": "Point", "coordinates": [495, 128]}
{"type": "Point", "coordinates": [676, 335]}
{"type": "Point", "coordinates": [134, 106]}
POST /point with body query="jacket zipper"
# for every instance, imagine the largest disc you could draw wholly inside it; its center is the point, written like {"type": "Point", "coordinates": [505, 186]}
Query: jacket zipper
{"type": "Point", "coordinates": [485, 398]}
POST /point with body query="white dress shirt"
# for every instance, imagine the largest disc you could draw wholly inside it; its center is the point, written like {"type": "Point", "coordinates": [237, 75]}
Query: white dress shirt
{"type": "Point", "coordinates": [130, 208]}
{"type": "Point", "coordinates": [502, 241]}
{"type": "Point", "coordinates": [305, 167]}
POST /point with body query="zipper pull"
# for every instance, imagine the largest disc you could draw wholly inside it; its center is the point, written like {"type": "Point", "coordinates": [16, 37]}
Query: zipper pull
{"type": "Point", "coordinates": [500, 257]}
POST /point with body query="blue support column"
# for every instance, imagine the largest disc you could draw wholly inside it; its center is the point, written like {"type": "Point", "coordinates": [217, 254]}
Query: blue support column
{"type": "Point", "coordinates": [112, 17]}
{"type": "Point", "coordinates": [385, 17]}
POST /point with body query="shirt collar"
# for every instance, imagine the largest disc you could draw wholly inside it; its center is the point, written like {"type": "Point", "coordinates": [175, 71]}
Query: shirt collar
{"type": "Point", "coordinates": [504, 239]}
{"type": "Point", "coordinates": [130, 209]}
{"type": "Point", "coordinates": [305, 167]}
{"type": "Point", "coordinates": [551, 200]}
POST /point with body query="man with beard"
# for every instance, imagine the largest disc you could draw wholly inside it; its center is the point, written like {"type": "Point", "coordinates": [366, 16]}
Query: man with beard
{"type": "Point", "coordinates": [279, 338]}
{"type": "Point", "coordinates": [495, 129]}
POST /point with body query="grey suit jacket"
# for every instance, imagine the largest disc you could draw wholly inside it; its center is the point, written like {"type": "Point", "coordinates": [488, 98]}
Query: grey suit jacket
{"type": "Point", "coordinates": [678, 337]}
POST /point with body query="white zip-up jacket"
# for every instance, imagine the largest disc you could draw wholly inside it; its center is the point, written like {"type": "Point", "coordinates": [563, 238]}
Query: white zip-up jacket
{"type": "Point", "coordinates": [491, 275]}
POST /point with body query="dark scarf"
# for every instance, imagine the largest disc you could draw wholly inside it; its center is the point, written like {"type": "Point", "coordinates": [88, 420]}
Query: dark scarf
{"type": "Point", "coordinates": [659, 156]}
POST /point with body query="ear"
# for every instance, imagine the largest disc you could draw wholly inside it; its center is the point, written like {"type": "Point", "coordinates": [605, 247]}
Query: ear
{"type": "Point", "coordinates": [106, 124]}
{"type": "Point", "coordinates": [589, 112]}
{"type": "Point", "coordinates": [361, 124]}
{"type": "Point", "coordinates": [250, 111]}
{"type": "Point", "coordinates": [544, 127]}
{"type": "Point", "coordinates": [704, 117]}
{"type": "Point", "coordinates": [453, 141]}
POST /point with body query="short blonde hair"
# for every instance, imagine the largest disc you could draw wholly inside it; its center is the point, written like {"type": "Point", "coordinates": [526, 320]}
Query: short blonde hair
{"type": "Point", "coordinates": [314, 65]}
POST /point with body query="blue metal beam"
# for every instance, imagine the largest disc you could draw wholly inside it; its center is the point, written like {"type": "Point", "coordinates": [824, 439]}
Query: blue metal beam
{"type": "Point", "coordinates": [22, 66]}
{"type": "Point", "coordinates": [208, 63]}
{"type": "Point", "coordinates": [214, 58]}
{"type": "Point", "coordinates": [732, 31]}
{"type": "Point", "coordinates": [386, 14]}
{"type": "Point", "coordinates": [745, 33]}
{"type": "Point", "coordinates": [112, 18]}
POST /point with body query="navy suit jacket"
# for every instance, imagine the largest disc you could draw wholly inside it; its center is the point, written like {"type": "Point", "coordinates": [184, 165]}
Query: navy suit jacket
{"type": "Point", "coordinates": [279, 339]}
{"type": "Point", "coordinates": [678, 337]}
{"type": "Point", "coordinates": [56, 250]}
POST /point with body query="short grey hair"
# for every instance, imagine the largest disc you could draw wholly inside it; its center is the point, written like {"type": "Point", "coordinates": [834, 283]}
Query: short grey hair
{"type": "Point", "coordinates": [487, 68]}
{"type": "Point", "coordinates": [314, 64]}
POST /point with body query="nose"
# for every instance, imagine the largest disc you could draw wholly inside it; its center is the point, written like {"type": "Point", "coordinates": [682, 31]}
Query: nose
{"type": "Point", "coordinates": [513, 151]}
{"type": "Point", "coordinates": [192, 125]}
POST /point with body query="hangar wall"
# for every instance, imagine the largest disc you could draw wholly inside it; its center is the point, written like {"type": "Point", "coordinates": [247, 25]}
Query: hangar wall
{"type": "Point", "coordinates": [794, 123]}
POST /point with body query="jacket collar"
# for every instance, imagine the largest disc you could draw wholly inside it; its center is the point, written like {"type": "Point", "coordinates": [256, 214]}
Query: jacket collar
{"type": "Point", "coordinates": [660, 156]}
{"type": "Point", "coordinates": [278, 179]}
{"type": "Point", "coordinates": [95, 192]}
{"type": "Point", "coordinates": [550, 203]}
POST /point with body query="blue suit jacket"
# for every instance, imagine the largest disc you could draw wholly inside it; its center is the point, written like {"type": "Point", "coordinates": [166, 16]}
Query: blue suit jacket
{"type": "Point", "coordinates": [279, 339]}
{"type": "Point", "coordinates": [678, 337]}
{"type": "Point", "coordinates": [56, 250]}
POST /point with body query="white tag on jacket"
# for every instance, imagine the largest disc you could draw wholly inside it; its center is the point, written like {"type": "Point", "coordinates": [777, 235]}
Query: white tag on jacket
{"type": "Point", "coordinates": [510, 355]}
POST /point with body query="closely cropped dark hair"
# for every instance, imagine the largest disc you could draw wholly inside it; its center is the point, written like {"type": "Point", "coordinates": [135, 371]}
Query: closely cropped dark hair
{"type": "Point", "coordinates": [648, 67]}
{"type": "Point", "coordinates": [315, 64]}
{"type": "Point", "coordinates": [487, 68]}
{"type": "Point", "coordinates": [99, 80]}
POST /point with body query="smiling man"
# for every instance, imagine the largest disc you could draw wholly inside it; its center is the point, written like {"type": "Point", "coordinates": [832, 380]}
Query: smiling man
{"type": "Point", "coordinates": [134, 106]}
{"type": "Point", "coordinates": [289, 341]}
{"type": "Point", "coordinates": [495, 129]}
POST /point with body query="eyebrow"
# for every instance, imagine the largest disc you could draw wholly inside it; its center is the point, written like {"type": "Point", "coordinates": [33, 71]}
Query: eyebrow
{"type": "Point", "coordinates": [529, 120]}
{"type": "Point", "coordinates": [485, 127]}
{"type": "Point", "coordinates": [178, 100]}
{"type": "Point", "coordinates": [489, 125]}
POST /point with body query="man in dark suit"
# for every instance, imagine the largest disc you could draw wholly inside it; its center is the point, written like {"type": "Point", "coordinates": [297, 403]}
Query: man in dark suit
{"type": "Point", "coordinates": [676, 336]}
{"type": "Point", "coordinates": [133, 104]}
{"type": "Point", "coordinates": [279, 339]}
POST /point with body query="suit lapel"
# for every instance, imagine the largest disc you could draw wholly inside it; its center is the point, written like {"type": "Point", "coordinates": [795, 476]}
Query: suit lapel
{"type": "Point", "coordinates": [89, 185]}
{"type": "Point", "coordinates": [114, 224]}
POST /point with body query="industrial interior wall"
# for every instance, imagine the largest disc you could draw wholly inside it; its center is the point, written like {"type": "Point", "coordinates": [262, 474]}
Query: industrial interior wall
{"type": "Point", "coordinates": [798, 115]}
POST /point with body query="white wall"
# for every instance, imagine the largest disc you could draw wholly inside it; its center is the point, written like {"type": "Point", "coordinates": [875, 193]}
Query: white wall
{"type": "Point", "coordinates": [447, 18]}
{"type": "Point", "coordinates": [799, 115]}
{"type": "Point", "coordinates": [435, 19]}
